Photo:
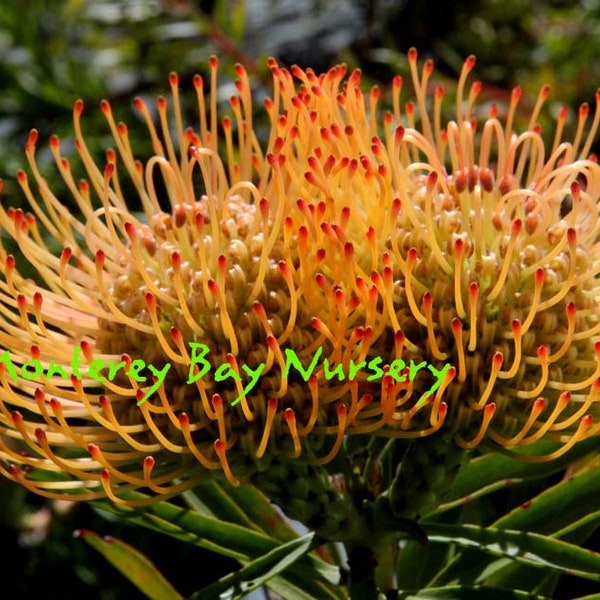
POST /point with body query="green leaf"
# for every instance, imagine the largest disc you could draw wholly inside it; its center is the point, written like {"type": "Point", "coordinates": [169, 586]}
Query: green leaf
{"type": "Point", "coordinates": [560, 510]}
{"type": "Point", "coordinates": [132, 564]}
{"type": "Point", "coordinates": [318, 578]}
{"type": "Point", "coordinates": [244, 505]}
{"type": "Point", "coordinates": [457, 592]}
{"type": "Point", "coordinates": [228, 539]}
{"type": "Point", "coordinates": [258, 572]}
{"type": "Point", "coordinates": [515, 573]}
{"type": "Point", "coordinates": [560, 505]}
{"type": "Point", "coordinates": [418, 564]}
{"type": "Point", "coordinates": [488, 473]}
{"type": "Point", "coordinates": [524, 547]}
{"type": "Point", "coordinates": [248, 506]}
{"type": "Point", "coordinates": [211, 500]}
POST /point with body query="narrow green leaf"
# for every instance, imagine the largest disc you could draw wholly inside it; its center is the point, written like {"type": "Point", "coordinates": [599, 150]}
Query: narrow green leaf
{"type": "Point", "coordinates": [258, 572]}
{"type": "Point", "coordinates": [213, 534]}
{"type": "Point", "coordinates": [485, 474]}
{"type": "Point", "coordinates": [210, 499]}
{"type": "Point", "coordinates": [579, 531]}
{"type": "Point", "coordinates": [515, 574]}
{"type": "Point", "coordinates": [529, 548]}
{"type": "Point", "coordinates": [457, 592]}
{"type": "Point", "coordinates": [261, 511]}
{"type": "Point", "coordinates": [559, 506]}
{"type": "Point", "coordinates": [555, 510]}
{"type": "Point", "coordinates": [244, 505]}
{"type": "Point", "coordinates": [286, 587]}
{"type": "Point", "coordinates": [546, 585]}
{"type": "Point", "coordinates": [241, 543]}
{"type": "Point", "coordinates": [133, 564]}
{"type": "Point", "coordinates": [418, 564]}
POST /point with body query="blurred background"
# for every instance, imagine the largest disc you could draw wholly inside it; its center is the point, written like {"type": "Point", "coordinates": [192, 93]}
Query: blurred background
{"type": "Point", "coordinates": [53, 52]}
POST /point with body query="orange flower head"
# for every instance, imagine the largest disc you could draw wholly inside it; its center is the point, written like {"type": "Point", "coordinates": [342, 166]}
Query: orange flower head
{"type": "Point", "coordinates": [354, 273]}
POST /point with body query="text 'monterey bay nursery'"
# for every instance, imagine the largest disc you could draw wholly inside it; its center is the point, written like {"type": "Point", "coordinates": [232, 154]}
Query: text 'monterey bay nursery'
{"type": "Point", "coordinates": [152, 377]}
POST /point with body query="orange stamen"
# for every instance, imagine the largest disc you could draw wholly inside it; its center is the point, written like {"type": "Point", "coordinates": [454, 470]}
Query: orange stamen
{"type": "Point", "coordinates": [271, 411]}
{"type": "Point", "coordinates": [473, 305]}
{"type": "Point", "coordinates": [411, 260]}
{"type": "Point", "coordinates": [542, 353]}
{"type": "Point", "coordinates": [342, 413]}
{"type": "Point", "coordinates": [517, 332]}
{"type": "Point", "coordinates": [488, 413]}
{"type": "Point", "coordinates": [497, 360]}
{"type": "Point", "coordinates": [184, 424]}
{"type": "Point", "coordinates": [457, 331]}
{"type": "Point", "coordinates": [290, 419]}
{"type": "Point", "coordinates": [536, 408]}
{"type": "Point", "coordinates": [221, 452]}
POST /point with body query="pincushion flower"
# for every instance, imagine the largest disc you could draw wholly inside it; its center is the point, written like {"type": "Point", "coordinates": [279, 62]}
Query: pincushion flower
{"type": "Point", "coordinates": [459, 258]}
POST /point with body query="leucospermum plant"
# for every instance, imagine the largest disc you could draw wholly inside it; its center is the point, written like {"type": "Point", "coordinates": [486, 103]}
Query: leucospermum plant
{"type": "Point", "coordinates": [356, 318]}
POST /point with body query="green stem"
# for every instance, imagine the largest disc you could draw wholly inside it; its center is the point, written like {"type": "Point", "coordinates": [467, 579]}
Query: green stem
{"type": "Point", "coordinates": [362, 562]}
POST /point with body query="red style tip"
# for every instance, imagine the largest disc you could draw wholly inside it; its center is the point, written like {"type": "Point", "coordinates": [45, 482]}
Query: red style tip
{"type": "Point", "coordinates": [456, 326]}
{"type": "Point", "coordinates": [150, 300]}
{"type": "Point", "coordinates": [545, 91]}
{"type": "Point", "coordinates": [176, 334]}
{"type": "Point", "coordinates": [130, 231]}
{"type": "Point", "coordinates": [490, 408]}
{"type": "Point", "coordinates": [516, 227]}
{"type": "Point", "coordinates": [540, 275]}
{"type": "Point", "coordinates": [498, 359]}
